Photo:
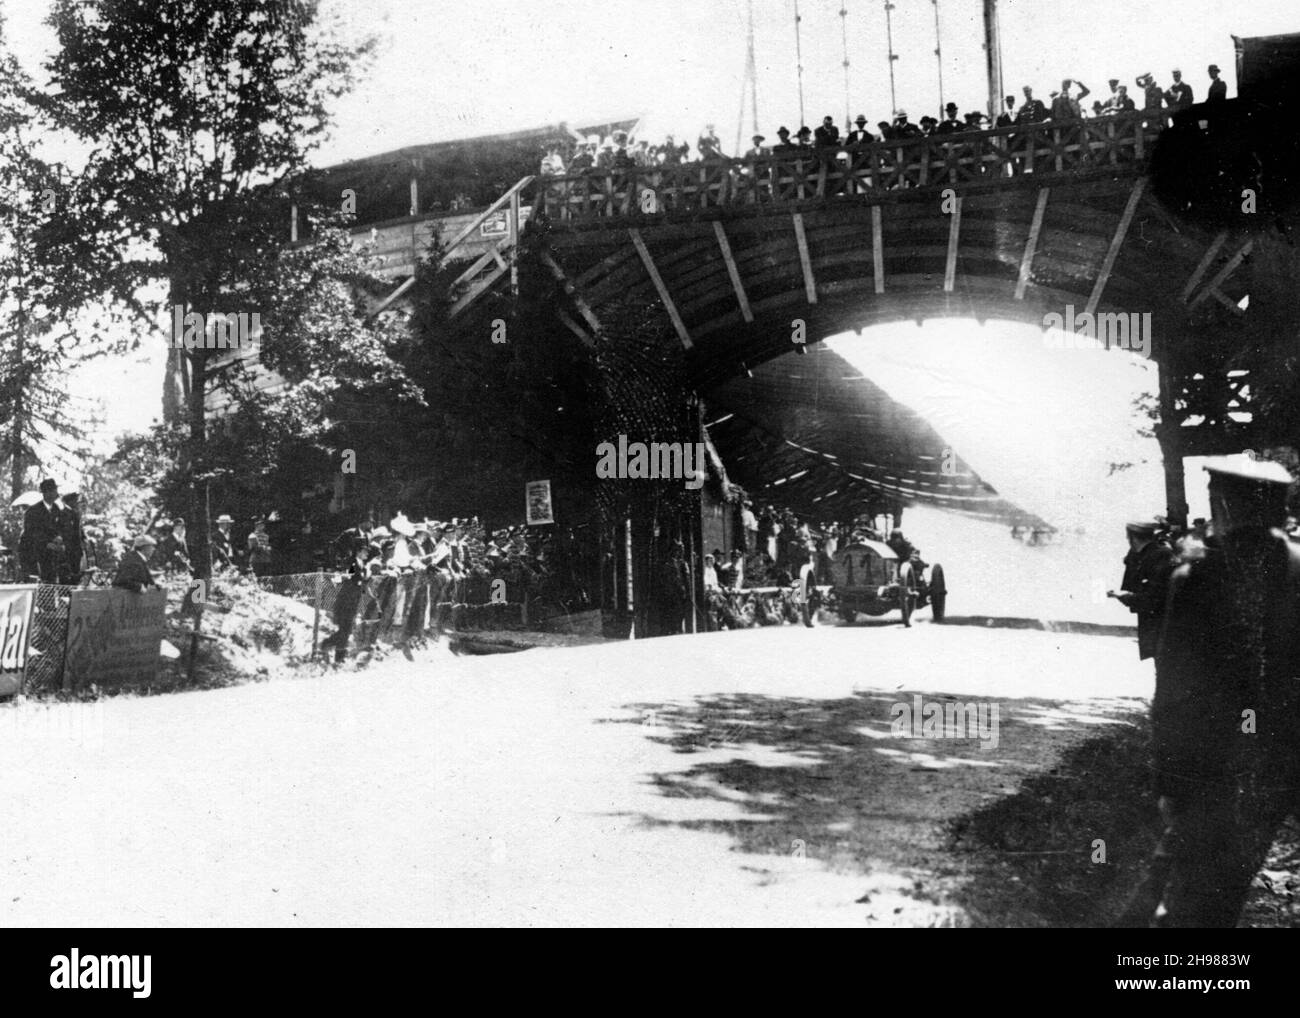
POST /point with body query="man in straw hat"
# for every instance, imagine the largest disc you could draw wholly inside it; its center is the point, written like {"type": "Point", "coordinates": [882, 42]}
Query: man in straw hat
{"type": "Point", "coordinates": [133, 571]}
{"type": "Point", "coordinates": [223, 550]}
{"type": "Point", "coordinates": [1227, 703]}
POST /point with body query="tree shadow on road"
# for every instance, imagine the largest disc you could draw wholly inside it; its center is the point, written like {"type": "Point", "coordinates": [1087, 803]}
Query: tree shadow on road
{"type": "Point", "coordinates": [998, 834]}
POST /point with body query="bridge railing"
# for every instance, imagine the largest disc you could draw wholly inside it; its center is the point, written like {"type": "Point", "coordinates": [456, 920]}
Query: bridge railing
{"type": "Point", "coordinates": [946, 160]}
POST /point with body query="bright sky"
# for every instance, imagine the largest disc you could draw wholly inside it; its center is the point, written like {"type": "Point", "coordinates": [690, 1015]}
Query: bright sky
{"type": "Point", "coordinates": [454, 70]}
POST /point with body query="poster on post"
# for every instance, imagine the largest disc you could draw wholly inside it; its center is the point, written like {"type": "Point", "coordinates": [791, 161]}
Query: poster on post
{"type": "Point", "coordinates": [537, 499]}
{"type": "Point", "coordinates": [114, 637]}
{"type": "Point", "coordinates": [16, 604]}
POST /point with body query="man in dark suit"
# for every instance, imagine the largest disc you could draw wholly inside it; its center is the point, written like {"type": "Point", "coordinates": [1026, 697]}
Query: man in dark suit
{"type": "Point", "coordinates": [223, 550]}
{"type": "Point", "coordinates": [827, 135]}
{"type": "Point", "coordinates": [1223, 719]}
{"type": "Point", "coordinates": [1218, 88]}
{"type": "Point", "coordinates": [784, 146]}
{"type": "Point", "coordinates": [133, 571]}
{"type": "Point", "coordinates": [1179, 94]}
{"type": "Point", "coordinates": [173, 553]}
{"type": "Point", "coordinates": [1032, 111]}
{"type": "Point", "coordinates": [1147, 568]}
{"type": "Point", "coordinates": [860, 136]}
{"type": "Point", "coordinates": [74, 541]}
{"type": "Point", "coordinates": [950, 124]}
{"type": "Point", "coordinates": [42, 548]}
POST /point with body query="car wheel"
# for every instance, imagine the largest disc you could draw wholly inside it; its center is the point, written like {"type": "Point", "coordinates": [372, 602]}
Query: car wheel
{"type": "Point", "coordinates": [938, 594]}
{"type": "Point", "coordinates": [905, 592]}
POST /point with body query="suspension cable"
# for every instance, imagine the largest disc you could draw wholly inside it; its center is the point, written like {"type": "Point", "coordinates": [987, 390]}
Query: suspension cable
{"type": "Point", "coordinates": [844, 35]}
{"type": "Point", "coordinates": [938, 54]}
{"type": "Point", "coordinates": [889, 37]}
{"type": "Point", "coordinates": [798, 55]}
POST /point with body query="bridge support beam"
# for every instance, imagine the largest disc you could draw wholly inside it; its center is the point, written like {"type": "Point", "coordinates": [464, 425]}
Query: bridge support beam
{"type": "Point", "coordinates": [1171, 449]}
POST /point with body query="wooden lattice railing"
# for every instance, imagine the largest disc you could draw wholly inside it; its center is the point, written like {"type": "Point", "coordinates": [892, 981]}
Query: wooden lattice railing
{"type": "Point", "coordinates": [949, 160]}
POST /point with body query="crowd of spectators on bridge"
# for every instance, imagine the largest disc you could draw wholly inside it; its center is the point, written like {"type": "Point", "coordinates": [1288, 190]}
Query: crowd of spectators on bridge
{"type": "Point", "coordinates": [619, 151]}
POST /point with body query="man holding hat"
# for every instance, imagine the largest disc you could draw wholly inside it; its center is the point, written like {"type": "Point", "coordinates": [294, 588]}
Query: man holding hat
{"type": "Point", "coordinates": [1147, 567]}
{"type": "Point", "coordinates": [133, 571]}
{"type": "Point", "coordinates": [1179, 94]}
{"type": "Point", "coordinates": [1227, 701]}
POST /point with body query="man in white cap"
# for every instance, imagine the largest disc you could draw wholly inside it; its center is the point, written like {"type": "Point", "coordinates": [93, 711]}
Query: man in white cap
{"type": "Point", "coordinates": [1227, 703]}
{"type": "Point", "coordinates": [133, 571]}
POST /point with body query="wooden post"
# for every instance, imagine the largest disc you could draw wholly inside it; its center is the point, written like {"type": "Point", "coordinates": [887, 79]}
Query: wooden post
{"type": "Point", "coordinates": [315, 622]}
{"type": "Point", "coordinates": [293, 223]}
{"type": "Point", "coordinates": [992, 57]}
{"type": "Point", "coordinates": [514, 242]}
{"type": "Point", "coordinates": [194, 641]}
{"type": "Point", "coordinates": [1171, 448]}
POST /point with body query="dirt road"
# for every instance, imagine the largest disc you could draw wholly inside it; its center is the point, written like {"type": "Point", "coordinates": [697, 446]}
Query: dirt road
{"type": "Point", "coordinates": [733, 778]}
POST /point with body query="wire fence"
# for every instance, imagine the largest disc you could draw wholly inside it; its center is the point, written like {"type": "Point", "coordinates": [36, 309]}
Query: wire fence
{"type": "Point", "coordinates": [393, 610]}
{"type": "Point", "coordinates": [49, 638]}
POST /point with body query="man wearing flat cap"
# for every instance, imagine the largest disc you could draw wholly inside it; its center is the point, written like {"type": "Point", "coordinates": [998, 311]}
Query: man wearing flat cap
{"type": "Point", "coordinates": [133, 571]}
{"type": "Point", "coordinates": [1147, 568]}
{"type": "Point", "coordinates": [1227, 700]}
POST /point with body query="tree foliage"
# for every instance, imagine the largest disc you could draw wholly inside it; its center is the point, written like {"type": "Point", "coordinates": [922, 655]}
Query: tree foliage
{"type": "Point", "coordinates": [201, 114]}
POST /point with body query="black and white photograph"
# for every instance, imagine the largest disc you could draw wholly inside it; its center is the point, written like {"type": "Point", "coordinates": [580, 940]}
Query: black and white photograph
{"type": "Point", "coordinates": [784, 464]}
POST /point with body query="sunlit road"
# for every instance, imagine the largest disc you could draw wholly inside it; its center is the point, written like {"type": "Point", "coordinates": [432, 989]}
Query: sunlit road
{"type": "Point", "coordinates": [732, 778]}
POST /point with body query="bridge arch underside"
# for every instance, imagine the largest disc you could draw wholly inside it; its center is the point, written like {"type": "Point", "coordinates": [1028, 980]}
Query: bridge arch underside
{"type": "Point", "coordinates": [731, 286]}
{"type": "Point", "coordinates": [819, 437]}
{"type": "Point", "coordinates": [731, 290]}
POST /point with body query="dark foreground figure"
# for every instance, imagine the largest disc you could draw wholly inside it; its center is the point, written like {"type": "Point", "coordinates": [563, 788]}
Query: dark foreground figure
{"type": "Point", "coordinates": [1227, 706]}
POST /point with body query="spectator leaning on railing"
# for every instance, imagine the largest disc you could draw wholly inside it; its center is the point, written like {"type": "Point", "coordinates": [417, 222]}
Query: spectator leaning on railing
{"type": "Point", "coordinates": [133, 571]}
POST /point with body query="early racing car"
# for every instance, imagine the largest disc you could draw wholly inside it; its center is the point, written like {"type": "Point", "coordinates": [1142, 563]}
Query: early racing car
{"type": "Point", "coordinates": [867, 576]}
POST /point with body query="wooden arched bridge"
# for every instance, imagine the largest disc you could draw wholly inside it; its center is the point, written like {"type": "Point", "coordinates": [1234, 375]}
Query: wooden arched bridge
{"type": "Point", "coordinates": [1019, 223]}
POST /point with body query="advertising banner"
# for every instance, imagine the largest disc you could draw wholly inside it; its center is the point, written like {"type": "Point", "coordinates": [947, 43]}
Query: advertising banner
{"type": "Point", "coordinates": [114, 637]}
{"type": "Point", "coordinates": [16, 605]}
{"type": "Point", "coordinates": [537, 500]}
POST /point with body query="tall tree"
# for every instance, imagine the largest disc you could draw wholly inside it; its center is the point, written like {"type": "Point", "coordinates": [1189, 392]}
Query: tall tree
{"type": "Point", "coordinates": [201, 113]}
{"type": "Point", "coordinates": [35, 332]}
